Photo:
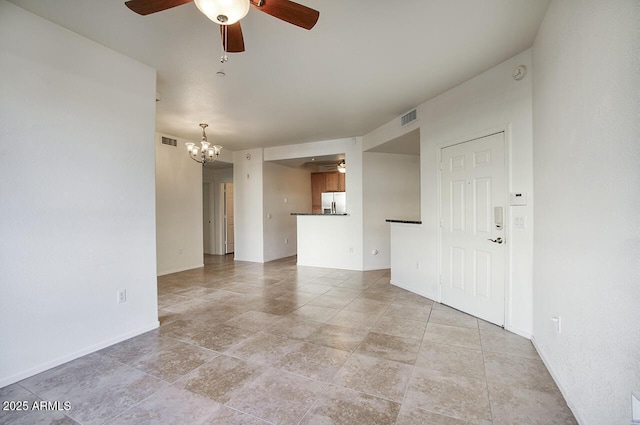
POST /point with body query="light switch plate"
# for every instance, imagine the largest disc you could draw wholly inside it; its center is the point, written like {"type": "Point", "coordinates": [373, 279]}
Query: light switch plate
{"type": "Point", "coordinates": [519, 222]}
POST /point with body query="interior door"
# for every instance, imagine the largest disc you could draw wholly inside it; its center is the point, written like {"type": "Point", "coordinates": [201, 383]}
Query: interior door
{"type": "Point", "coordinates": [228, 218]}
{"type": "Point", "coordinates": [473, 211]}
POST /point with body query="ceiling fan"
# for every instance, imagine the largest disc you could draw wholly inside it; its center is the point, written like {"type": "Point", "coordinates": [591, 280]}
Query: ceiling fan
{"type": "Point", "coordinates": [227, 13]}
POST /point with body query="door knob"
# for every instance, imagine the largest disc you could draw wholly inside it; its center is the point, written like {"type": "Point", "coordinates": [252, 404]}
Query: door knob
{"type": "Point", "coordinates": [496, 240]}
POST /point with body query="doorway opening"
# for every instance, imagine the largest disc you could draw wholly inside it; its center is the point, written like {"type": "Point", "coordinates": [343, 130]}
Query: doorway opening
{"type": "Point", "coordinates": [217, 209]}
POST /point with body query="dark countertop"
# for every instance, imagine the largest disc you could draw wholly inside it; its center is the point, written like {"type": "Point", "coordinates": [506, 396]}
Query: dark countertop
{"type": "Point", "coordinates": [343, 214]}
{"type": "Point", "coordinates": [403, 221]}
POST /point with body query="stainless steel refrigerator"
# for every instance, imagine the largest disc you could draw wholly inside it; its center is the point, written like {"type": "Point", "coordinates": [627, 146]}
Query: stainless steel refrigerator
{"type": "Point", "coordinates": [334, 203]}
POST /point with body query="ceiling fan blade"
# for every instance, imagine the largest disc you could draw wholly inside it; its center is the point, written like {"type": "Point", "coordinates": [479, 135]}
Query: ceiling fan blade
{"type": "Point", "coordinates": [146, 7]}
{"type": "Point", "coordinates": [232, 39]}
{"type": "Point", "coordinates": [288, 11]}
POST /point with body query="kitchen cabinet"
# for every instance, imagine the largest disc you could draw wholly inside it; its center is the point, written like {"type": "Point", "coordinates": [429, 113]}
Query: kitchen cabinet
{"type": "Point", "coordinates": [331, 182]}
{"type": "Point", "coordinates": [325, 182]}
{"type": "Point", "coordinates": [341, 182]}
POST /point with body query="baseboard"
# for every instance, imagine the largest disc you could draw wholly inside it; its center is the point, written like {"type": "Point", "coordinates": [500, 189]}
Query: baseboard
{"type": "Point", "coordinates": [67, 358]}
{"type": "Point", "coordinates": [268, 259]}
{"type": "Point", "coordinates": [182, 269]}
{"type": "Point", "coordinates": [415, 291]}
{"type": "Point", "coordinates": [517, 331]}
{"type": "Point", "coordinates": [554, 376]}
{"type": "Point", "coordinates": [372, 269]}
{"type": "Point", "coordinates": [248, 260]}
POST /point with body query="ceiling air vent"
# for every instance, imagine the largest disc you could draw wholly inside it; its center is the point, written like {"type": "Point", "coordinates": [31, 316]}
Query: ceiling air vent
{"type": "Point", "coordinates": [168, 141]}
{"type": "Point", "coordinates": [408, 118]}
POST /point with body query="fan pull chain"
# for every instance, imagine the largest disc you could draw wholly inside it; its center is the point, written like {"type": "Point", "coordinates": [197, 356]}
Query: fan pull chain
{"type": "Point", "coordinates": [224, 58]}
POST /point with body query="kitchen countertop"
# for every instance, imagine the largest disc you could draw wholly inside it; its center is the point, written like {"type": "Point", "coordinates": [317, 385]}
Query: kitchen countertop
{"type": "Point", "coordinates": [389, 220]}
{"type": "Point", "coordinates": [301, 213]}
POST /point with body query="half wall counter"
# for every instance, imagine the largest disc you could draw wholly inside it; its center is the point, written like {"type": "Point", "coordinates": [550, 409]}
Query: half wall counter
{"type": "Point", "coordinates": [321, 241]}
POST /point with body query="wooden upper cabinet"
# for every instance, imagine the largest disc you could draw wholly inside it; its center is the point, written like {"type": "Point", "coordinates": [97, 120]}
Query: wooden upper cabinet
{"type": "Point", "coordinates": [341, 182]}
{"type": "Point", "coordinates": [325, 182]}
{"type": "Point", "coordinates": [331, 182]}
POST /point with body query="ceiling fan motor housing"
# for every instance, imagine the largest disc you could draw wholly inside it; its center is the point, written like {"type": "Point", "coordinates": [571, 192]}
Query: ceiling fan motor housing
{"type": "Point", "coordinates": [224, 12]}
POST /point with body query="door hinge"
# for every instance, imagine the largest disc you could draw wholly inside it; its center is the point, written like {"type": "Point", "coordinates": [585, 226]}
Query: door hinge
{"type": "Point", "coordinates": [440, 279]}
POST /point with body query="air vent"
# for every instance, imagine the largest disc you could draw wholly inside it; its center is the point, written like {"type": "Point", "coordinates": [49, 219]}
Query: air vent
{"type": "Point", "coordinates": [168, 141]}
{"type": "Point", "coordinates": [408, 118]}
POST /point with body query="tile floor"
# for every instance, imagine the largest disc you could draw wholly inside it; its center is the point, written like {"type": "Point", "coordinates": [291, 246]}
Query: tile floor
{"type": "Point", "coordinates": [245, 343]}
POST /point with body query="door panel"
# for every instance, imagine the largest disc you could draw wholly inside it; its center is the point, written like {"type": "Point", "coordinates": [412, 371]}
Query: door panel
{"type": "Point", "coordinates": [473, 182]}
{"type": "Point", "coordinates": [482, 274]}
{"type": "Point", "coordinates": [482, 205]}
{"type": "Point", "coordinates": [457, 268]}
{"type": "Point", "coordinates": [458, 198]}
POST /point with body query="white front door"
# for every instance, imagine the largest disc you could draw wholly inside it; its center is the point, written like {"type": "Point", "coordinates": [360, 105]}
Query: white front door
{"type": "Point", "coordinates": [473, 211]}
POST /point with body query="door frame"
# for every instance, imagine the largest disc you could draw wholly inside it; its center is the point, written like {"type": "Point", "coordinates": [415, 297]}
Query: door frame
{"type": "Point", "coordinates": [225, 227]}
{"type": "Point", "coordinates": [506, 130]}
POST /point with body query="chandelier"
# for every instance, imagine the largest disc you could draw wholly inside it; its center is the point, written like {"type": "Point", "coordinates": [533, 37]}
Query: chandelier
{"type": "Point", "coordinates": [205, 153]}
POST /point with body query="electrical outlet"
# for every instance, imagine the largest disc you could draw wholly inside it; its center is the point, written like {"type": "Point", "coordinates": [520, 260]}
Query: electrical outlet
{"type": "Point", "coordinates": [122, 295]}
{"type": "Point", "coordinates": [286, 240]}
{"type": "Point", "coordinates": [351, 249]}
{"type": "Point", "coordinates": [558, 321]}
{"type": "Point", "coordinates": [180, 251]}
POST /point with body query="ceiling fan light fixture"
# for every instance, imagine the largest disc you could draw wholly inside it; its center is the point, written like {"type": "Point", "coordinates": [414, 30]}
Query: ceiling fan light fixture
{"type": "Point", "coordinates": [224, 12]}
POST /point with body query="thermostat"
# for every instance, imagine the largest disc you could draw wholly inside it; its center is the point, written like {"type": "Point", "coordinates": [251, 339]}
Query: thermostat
{"type": "Point", "coordinates": [517, 199]}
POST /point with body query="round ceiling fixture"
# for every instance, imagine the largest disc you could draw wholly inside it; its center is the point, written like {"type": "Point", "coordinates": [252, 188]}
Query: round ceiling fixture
{"type": "Point", "coordinates": [519, 72]}
{"type": "Point", "coordinates": [224, 12]}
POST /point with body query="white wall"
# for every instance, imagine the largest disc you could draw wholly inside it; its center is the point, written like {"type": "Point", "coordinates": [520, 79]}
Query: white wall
{"type": "Point", "coordinates": [587, 178]}
{"type": "Point", "coordinates": [77, 194]}
{"type": "Point", "coordinates": [248, 205]}
{"type": "Point", "coordinates": [391, 187]}
{"type": "Point", "coordinates": [178, 208]}
{"type": "Point", "coordinates": [408, 254]}
{"type": "Point", "coordinates": [344, 248]}
{"type": "Point", "coordinates": [489, 102]}
{"type": "Point", "coordinates": [324, 241]}
{"type": "Point", "coordinates": [286, 190]}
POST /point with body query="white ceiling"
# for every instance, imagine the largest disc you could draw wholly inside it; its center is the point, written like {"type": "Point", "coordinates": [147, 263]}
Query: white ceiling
{"type": "Point", "coordinates": [363, 64]}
